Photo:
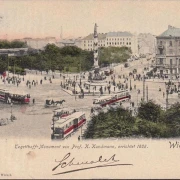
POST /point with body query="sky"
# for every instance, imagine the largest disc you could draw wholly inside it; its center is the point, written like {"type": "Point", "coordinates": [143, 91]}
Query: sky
{"type": "Point", "coordinates": [44, 18]}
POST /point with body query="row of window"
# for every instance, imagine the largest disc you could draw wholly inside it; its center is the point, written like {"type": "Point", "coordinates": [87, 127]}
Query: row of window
{"type": "Point", "coordinates": [161, 61]}
{"type": "Point", "coordinates": [171, 51]}
{"type": "Point", "coordinates": [90, 49]}
{"type": "Point", "coordinates": [109, 39]}
{"type": "Point", "coordinates": [93, 41]}
{"type": "Point", "coordinates": [114, 39]}
{"type": "Point", "coordinates": [170, 43]}
{"type": "Point", "coordinates": [121, 43]}
{"type": "Point", "coordinates": [110, 43]}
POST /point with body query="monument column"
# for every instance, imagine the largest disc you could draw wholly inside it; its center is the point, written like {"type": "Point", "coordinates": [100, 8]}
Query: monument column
{"type": "Point", "coordinates": [95, 47]}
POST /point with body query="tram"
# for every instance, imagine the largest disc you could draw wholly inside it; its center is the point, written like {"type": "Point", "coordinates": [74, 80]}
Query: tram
{"type": "Point", "coordinates": [19, 98]}
{"type": "Point", "coordinates": [62, 112]}
{"type": "Point", "coordinates": [4, 95]}
{"type": "Point", "coordinates": [8, 97]}
{"type": "Point", "coordinates": [67, 125]}
{"type": "Point", "coordinates": [108, 100]}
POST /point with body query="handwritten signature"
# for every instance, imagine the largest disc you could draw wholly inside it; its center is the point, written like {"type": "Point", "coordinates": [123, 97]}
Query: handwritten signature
{"type": "Point", "coordinates": [99, 163]}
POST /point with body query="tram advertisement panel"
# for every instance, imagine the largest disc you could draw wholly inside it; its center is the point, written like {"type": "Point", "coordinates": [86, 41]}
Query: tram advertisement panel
{"type": "Point", "coordinates": [89, 89]}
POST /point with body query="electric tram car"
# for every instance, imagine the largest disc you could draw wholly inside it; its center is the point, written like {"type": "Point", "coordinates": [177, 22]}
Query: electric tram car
{"type": "Point", "coordinates": [108, 100]}
{"type": "Point", "coordinates": [67, 125]}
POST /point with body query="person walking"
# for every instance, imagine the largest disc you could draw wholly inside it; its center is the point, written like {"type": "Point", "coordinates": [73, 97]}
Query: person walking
{"type": "Point", "coordinates": [33, 101]}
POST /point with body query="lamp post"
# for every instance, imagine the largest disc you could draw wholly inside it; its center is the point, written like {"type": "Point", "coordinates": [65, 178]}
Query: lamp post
{"type": "Point", "coordinates": [53, 129]}
{"type": "Point", "coordinates": [147, 92]}
{"type": "Point", "coordinates": [137, 97]}
{"type": "Point", "coordinates": [168, 85]}
{"type": "Point", "coordinates": [167, 103]}
{"type": "Point", "coordinates": [75, 89]}
{"type": "Point", "coordinates": [130, 85]}
{"type": "Point", "coordinates": [144, 88]}
{"type": "Point", "coordinates": [11, 112]}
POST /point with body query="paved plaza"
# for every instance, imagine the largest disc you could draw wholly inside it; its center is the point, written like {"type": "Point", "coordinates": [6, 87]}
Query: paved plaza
{"type": "Point", "coordinates": [34, 120]}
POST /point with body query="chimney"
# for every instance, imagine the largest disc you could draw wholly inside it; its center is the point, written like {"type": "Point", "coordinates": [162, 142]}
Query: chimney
{"type": "Point", "coordinates": [170, 27]}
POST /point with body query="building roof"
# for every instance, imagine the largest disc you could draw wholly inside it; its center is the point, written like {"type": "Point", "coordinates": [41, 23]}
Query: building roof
{"type": "Point", "coordinates": [171, 31]}
{"type": "Point", "coordinates": [120, 34]}
{"type": "Point", "coordinates": [67, 41]}
{"type": "Point", "coordinates": [101, 36]}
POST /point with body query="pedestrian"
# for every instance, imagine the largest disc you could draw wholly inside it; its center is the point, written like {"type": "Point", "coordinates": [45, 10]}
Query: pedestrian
{"type": "Point", "coordinates": [163, 94]}
{"type": "Point", "coordinates": [92, 110]}
{"type": "Point", "coordinates": [79, 138]}
{"type": "Point", "coordinates": [33, 101]}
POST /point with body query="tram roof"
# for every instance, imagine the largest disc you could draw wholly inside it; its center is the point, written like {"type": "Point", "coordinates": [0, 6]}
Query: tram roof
{"type": "Point", "coordinates": [65, 120]}
{"type": "Point", "coordinates": [4, 90]}
{"type": "Point", "coordinates": [18, 93]}
{"type": "Point", "coordinates": [60, 109]}
{"type": "Point", "coordinates": [103, 97]}
{"type": "Point", "coordinates": [96, 84]}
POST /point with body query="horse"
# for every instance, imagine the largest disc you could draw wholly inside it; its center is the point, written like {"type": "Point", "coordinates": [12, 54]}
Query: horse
{"type": "Point", "coordinates": [59, 102]}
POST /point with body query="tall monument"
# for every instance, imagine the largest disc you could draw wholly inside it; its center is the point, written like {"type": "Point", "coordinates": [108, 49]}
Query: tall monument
{"type": "Point", "coordinates": [95, 47]}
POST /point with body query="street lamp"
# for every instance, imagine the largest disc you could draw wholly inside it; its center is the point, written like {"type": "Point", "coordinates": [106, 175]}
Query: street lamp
{"type": "Point", "coordinates": [11, 112]}
{"type": "Point", "coordinates": [75, 89]}
{"type": "Point", "coordinates": [167, 93]}
{"type": "Point", "coordinates": [168, 85]}
{"type": "Point", "coordinates": [130, 85]}
{"type": "Point", "coordinates": [137, 98]}
{"type": "Point", "coordinates": [53, 129]}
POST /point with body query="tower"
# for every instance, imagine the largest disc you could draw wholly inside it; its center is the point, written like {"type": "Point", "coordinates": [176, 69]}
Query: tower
{"type": "Point", "coordinates": [95, 47]}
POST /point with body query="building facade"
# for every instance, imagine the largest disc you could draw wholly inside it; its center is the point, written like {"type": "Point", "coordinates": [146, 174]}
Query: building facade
{"type": "Point", "coordinates": [70, 42]}
{"type": "Point", "coordinates": [39, 43]}
{"type": "Point", "coordinates": [168, 52]}
{"type": "Point", "coordinates": [115, 39]}
{"type": "Point", "coordinates": [146, 43]}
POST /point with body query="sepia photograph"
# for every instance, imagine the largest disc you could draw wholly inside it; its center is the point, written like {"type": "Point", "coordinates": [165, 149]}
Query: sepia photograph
{"type": "Point", "coordinates": [89, 89]}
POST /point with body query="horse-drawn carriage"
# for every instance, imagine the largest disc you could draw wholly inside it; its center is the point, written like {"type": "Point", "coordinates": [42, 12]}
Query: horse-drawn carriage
{"type": "Point", "coordinates": [52, 103]}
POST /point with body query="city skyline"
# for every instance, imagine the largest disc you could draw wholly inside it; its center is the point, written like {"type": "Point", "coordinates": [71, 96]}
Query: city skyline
{"type": "Point", "coordinates": [44, 18]}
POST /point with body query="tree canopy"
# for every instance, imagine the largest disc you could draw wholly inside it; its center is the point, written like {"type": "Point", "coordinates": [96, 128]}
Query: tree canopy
{"type": "Point", "coordinates": [151, 122]}
{"type": "Point", "coordinates": [68, 58]}
{"type": "Point", "coordinates": [108, 55]}
{"type": "Point", "coordinates": [12, 44]}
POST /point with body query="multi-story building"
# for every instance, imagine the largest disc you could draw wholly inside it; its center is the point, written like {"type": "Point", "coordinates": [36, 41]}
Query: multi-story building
{"type": "Point", "coordinates": [88, 41]}
{"type": "Point", "coordinates": [70, 42]}
{"type": "Point", "coordinates": [168, 52]}
{"type": "Point", "coordinates": [116, 39]}
{"type": "Point", "coordinates": [146, 43]}
{"type": "Point", "coordinates": [39, 43]}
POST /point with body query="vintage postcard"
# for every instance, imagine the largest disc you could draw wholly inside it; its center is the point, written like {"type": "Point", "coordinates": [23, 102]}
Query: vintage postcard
{"type": "Point", "coordinates": [89, 89]}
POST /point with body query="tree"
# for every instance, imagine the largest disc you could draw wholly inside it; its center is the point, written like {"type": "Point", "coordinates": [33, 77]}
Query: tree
{"type": "Point", "coordinates": [13, 44]}
{"type": "Point", "coordinates": [149, 111]}
{"type": "Point", "coordinates": [3, 66]}
{"type": "Point", "coordinates": [108, 55]}
{"type": "Point", "coordinates": [114, 123]}
{"type": "Point", "coordinates": [70, 50]}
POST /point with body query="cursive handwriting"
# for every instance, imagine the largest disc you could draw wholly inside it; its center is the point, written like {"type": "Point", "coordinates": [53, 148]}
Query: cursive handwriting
{"type": "Point", "coordinates": [70, 161]}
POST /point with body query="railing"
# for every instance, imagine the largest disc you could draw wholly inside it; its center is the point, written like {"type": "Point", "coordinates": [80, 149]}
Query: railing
{"type": "Point", "coordinates": [160, 55]}
{"type": "Point", "coordinates": [167, 65]}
